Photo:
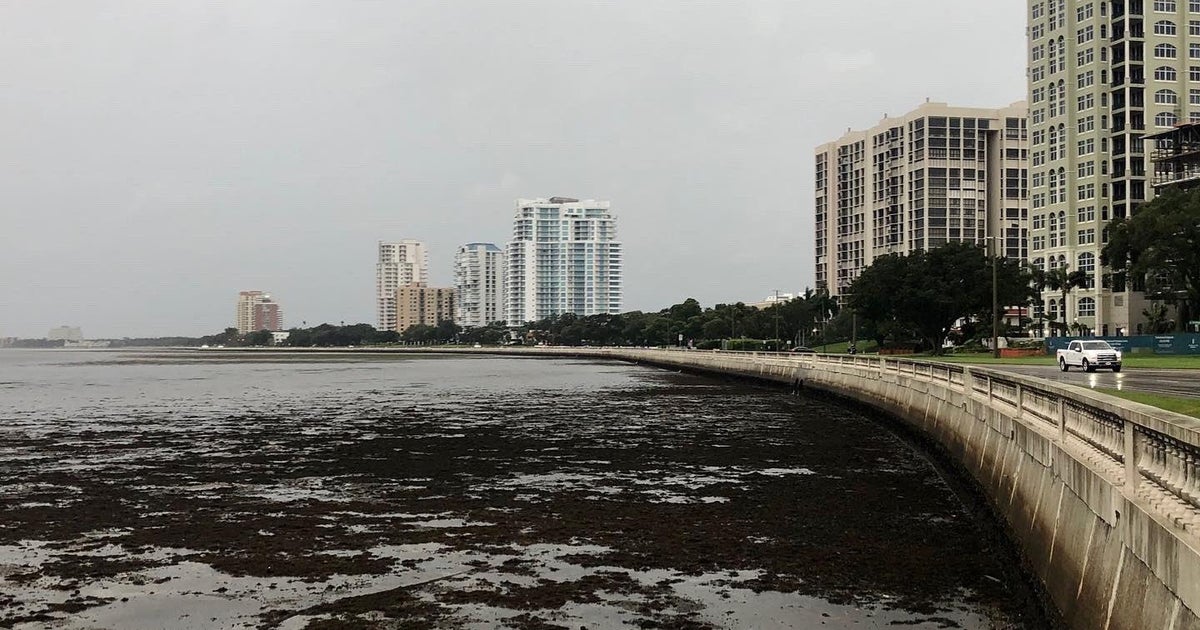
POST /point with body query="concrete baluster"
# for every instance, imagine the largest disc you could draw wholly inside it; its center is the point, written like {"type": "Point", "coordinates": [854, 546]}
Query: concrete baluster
{"type": "Point", "coordinates": [1132, 477]}
{"type": "Point", "coordinates": [1019, 400]}
{"type": "Point", "coordinates": [1062, 420]}
{"type": "Point", "coordinates": [1172, 471]}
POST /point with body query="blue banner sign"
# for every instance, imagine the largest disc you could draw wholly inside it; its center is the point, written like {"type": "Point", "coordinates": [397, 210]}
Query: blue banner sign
{"type": "Point", "coordinates": [1185, 343]}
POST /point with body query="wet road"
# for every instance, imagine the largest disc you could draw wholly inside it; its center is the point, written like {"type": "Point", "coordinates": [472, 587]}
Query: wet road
{"type": "Point", "coordinates": [1166, 382]}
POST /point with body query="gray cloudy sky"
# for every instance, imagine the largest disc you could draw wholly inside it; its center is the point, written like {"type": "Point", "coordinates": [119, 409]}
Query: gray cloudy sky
{"type": "Point", "coordinates": [157, 157]}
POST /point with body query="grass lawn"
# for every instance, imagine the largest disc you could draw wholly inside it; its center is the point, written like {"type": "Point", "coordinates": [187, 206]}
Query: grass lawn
{"type": "Point", "coordinates": [1132, 361]}
{"type": "Point", "coordinates": [1186, 406]}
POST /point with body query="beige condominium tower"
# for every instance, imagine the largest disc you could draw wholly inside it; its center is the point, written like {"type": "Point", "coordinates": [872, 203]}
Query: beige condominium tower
{"type": "Point", "coordinates": [400, 263]}
{"type": "Point", "coordinates": [1101, 75]}
{"type": "Point", "coordinates": [934, 175]}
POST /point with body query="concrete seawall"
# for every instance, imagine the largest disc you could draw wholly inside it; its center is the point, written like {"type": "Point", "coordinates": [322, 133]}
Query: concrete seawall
{"type": "Point", "coordinates": [1101, 495]}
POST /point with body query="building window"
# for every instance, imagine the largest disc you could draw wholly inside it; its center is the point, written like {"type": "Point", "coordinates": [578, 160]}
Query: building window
{"type": "Point", "coordinates": [1166, 97]}
{"type": "Point", "coordinates": [1194, 27]}
{"type": "Point", "coordinates": [1165, 119]}
{"type": "Point", "coordinates": [1164, 27]}
{"type": "Point", "coordinates": [1193, 51]}
{"type": "Point", "coordinates": [1084, 57]}
{"type": "Point", "coordinates": [1085, 102]}
{"type": "Point", "coordinates": [1085, 79]}
{"type": "Point", "coordinates": [1087, 307]}
{"type": "Point", "coordinates": [1086, 214]}
{"type": "Point", "coordinates": [1165, 51]}
{"type": "Point", "coordinates": [1194, 73]}
{"type": "Point", "coordinates": [1164, 6]}
{"type": "Point", "coordinates": [1164, 73]}
{"type": "Point", "coordinates": [1085, 35]}
{"type": "Point", "coordinates": [1087, 237]}
{"type": "Point", "coordinates": [1086, 169]}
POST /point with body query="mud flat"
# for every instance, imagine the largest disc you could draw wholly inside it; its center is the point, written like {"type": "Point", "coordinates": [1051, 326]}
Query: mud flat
{"type": "Point", "coordinates": [177, 491]}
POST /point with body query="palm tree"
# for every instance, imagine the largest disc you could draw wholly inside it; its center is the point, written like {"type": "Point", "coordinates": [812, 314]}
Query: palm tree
{"type": "Point", "coordinates": [1038, 274]}
{"type": "Point", "coordinates": [1156, 316]}
{"type": "Point", "coordinates": [1064, 281]}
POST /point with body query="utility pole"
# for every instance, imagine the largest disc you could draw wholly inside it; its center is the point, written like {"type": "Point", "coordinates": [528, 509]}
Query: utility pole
{"type": "Point", "coordinates": [995, 302]}
{"type": "Point", "coordinates": [854, 330]}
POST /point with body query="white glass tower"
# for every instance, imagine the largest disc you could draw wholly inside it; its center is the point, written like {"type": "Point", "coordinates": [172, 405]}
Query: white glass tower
{"type": "Point", "coordinates": [563, 258]}
{"type": "Point", "coordinates": [400, 263]}
{"type": "Point", "coordinates": [478, 284]}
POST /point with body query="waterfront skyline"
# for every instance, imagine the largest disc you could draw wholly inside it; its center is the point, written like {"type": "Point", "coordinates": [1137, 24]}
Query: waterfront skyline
{"type": "Point", "coordinates": [265, 144]}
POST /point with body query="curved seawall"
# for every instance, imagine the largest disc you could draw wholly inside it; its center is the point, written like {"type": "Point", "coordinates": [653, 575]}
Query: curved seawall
{"type": "Point", "coordinates": [1101, 495]}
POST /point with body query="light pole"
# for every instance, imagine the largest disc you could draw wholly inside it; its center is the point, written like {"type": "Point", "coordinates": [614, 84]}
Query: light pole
{"type": "Point", "coordinates": [994, 239]}
{"type": "Point", "coordinates": [776, 319]}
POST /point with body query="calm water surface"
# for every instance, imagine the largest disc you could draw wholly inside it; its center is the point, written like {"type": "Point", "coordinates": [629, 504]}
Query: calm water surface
{"type": "Point", "coordinates": [197, 490]}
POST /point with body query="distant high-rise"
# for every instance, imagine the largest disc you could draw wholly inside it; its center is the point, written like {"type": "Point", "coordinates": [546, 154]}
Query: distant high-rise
{"type": "Point", "coordinates": [65, 333]}
{"type": "Point", "coordinates": [257, 311]}
{"type": "Point", "coordinates": [564, 257]}
{"type": "Point", "coordinates": [478, 285]}
{"type": "Point", "coordinates": [400, 263]}
{"type": "Point", "coordinates": [417, 304]}
{"type": "Point", "coordinates": [935, 175]}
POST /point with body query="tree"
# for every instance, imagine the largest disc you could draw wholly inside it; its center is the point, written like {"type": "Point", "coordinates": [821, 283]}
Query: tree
{"type": "Point", "coordinates": [1063, 280]}
{"type": "Point", "coordinates": [929, 291]}
{"type": "Point", "coordinates": [1163, 239]}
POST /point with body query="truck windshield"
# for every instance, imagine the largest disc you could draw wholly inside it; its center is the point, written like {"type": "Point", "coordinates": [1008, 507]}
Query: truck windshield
{"type": "Point", "coordinates": [1096, 345]}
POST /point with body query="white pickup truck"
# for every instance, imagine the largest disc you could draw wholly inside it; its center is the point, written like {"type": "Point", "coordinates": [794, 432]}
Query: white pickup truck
{"type": "Point", "coordinates": [1089, 355]}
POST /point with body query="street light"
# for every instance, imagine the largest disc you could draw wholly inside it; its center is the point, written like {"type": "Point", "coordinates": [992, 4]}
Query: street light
{"type": "Point", "coordinates": [776, 319]}
{"type": "Point", "coordinates": [996, 295]}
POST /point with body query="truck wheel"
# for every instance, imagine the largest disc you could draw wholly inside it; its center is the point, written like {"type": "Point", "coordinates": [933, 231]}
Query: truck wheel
{"type": "Point", "coordinates": [1087, 367]}
{"type": "Point", "coordinates": [1116, 368]}
{"type": "Point", "coordinates": [1062, 365]}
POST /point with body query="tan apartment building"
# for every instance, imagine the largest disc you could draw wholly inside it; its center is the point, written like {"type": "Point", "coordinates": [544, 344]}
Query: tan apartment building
{"type": "Point", "coordinates": [400, 263]}
{"type": "Point", "coordinates": [934, 175]}
{"type": "Point", "coordinates": [417, 304]}
{"type": "Point", "coordinates": [1101, 75]}
{"type": "Point", "coordinates": [257, 311]}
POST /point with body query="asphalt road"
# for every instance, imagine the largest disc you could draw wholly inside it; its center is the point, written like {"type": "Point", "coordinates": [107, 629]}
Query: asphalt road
{"type": "Point", "coordinates": [1166, 382]}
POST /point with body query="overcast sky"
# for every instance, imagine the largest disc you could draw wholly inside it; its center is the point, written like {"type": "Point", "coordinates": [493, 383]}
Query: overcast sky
{"type": "Point", "coordinates": [158, 157]}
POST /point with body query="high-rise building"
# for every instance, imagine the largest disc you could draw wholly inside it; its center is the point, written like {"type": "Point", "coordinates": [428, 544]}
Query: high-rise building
{"type": "Point", "coordinates": [564, 257]}
{"type": "Point", "coordinates": [1100, 74]}
{"type": "Point", "coordinates": [478, 285]}
{"type": "Point", "coordinates": [400, 263]}
{"type": "Point", "coordinates": [257, 311]}
{"type": "Point", "coordinates": [417, 304]}
{"type": "Point", "coordinates": [935, 175]}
